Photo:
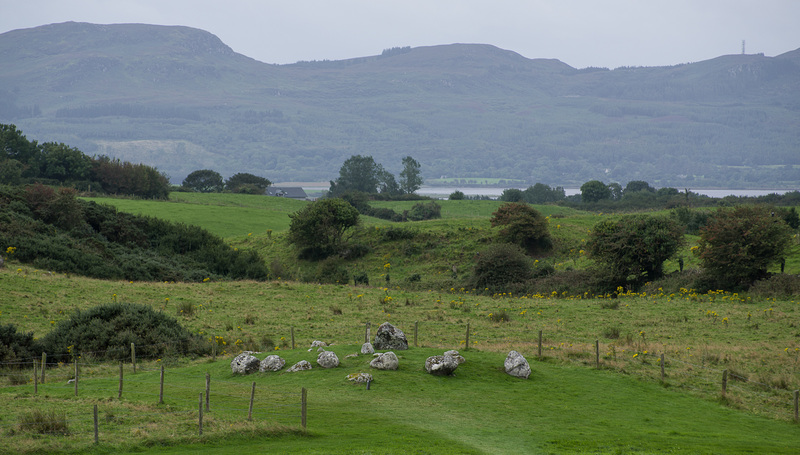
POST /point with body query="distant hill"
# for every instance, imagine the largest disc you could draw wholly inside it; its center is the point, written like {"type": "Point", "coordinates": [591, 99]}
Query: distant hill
{"type": "Point", "coordinates": [180, 99]}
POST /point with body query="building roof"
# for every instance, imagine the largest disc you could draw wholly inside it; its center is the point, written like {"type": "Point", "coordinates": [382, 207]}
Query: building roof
{"type": "Point", "coordinates": [292, 192]}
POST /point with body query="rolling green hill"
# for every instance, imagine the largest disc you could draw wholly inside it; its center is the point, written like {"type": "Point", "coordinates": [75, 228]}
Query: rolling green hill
{"type": "Point", "coordinates": [180, 99]}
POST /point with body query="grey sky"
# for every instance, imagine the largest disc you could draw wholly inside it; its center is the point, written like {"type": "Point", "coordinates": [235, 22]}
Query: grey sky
{"type": "Point", "coordinates": [581, 33]}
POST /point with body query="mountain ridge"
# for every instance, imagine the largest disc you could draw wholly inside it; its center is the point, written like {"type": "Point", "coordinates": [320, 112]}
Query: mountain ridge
{"type": "Point", "coordinates": [468, 110]}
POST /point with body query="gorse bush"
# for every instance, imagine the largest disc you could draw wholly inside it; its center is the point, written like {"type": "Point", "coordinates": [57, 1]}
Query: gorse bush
{"type": "Point", "coordinates": [522, 225]}
{"type": "Point", "coordinates": [16, 348]}
{"type": "Point", "coordinates": [107, 331]}
{"type": "Point", "coordinates": [500, 266]}
{"type": "Point", "coordinates": [54, 230]}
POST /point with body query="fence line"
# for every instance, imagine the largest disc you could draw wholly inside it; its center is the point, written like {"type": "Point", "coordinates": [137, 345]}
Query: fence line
{"type": "Point", "coordinates": [575, 349]}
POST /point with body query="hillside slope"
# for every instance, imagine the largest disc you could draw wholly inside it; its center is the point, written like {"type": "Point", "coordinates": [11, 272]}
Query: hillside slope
{"type": "Point", "coordinates": [180, 99]}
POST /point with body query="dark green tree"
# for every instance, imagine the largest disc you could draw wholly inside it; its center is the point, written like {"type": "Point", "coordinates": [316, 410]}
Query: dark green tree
{"type": "Point", "coordinates": [358, 173]}
{"type": "Point", "coordinates": [616, 190]}
{"type": "Point", "coordinates": [594, 190]}
{"type": "Point", "coordinates": [738, 245]}
{"type": "Point", "coordinates": [638, 185]}
{"type": "Point", "coordinates": [457, 196]}
{"type": "Point", "coordinates": [204, 181]}
{"type": "Point", "coordinates": [236, 181]}
{"type": "Point", "coordinates": [542, 194]}
{"type": "Point", "coordinates": [512, 195]}
{"type": "Point", "coordinates": [61, 162]}
{"type": "Point", "coordinates": [318, 229]}
{"type": "Point", "coordinates": [387, 183]}
{"type": "Point", "coordinates": [523, 226]}
{"type": "Point", "coordinates": [635, 247]}
{"type": "Point", "coordinates": [15, 146]}
{"type": "Point", "coordinates": [410, 180]}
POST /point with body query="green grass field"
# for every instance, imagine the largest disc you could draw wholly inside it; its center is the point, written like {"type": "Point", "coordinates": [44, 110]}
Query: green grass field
{"type": "Point", "coordinates": [567, 406]}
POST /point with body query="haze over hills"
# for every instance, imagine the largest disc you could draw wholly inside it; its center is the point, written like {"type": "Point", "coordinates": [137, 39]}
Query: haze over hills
{"type": "Point", "coordinates": [180, 99]}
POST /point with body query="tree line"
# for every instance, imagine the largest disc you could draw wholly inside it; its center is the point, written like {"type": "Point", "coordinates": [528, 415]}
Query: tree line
{"type": "Point", "coordinates": [24, 161]}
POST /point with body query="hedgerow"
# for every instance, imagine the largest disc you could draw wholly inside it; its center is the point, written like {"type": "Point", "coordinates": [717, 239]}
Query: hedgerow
{"type": "Point", "coordinates": [56, 231]}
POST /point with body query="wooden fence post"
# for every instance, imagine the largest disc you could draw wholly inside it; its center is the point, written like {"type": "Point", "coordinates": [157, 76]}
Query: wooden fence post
{"type": "Point", "coordinates": [208, 391]}
{"type": "Point", "coordinates": [416, 328]}
{"type": "Point", "coordinates": [200, 416]}
{"type": "Point", "coordinates": [161, 390]}
{"type": "Point", "coordinates": [366, 332]}
{"type": "Point", "coordinates": [119, 395]}
{"type": "Point", "coordinates": [214, 350]}
{"type": "Point", "coordinates": [252, 398]}
{"type": "Point", "coordinates": [796, 400]}
{"type": "Point", "coordinates": [466, 345]}
{"type": "Point", "coordinates": [662, 367]}
{"type": "Point", "coordinates": [292, 338]}
{"type": "Point", "coordinates": [96, 436]}
{"type": "Point", "coordinates": [540, 343]}
{"type": "Point", "coordinates": [724, 382]}
{"type": "Point", "coordinates": [303, 408]}
{"type": "Point", "coordinates": [44, 365]}
{"type": "Point", "coordinates": [35, 377]}
{"type": "Point", "coordinates": [133, 356]}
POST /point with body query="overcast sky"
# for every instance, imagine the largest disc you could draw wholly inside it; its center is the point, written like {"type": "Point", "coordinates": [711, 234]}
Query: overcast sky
{"type": "Point", "coordinates": [581, 33]}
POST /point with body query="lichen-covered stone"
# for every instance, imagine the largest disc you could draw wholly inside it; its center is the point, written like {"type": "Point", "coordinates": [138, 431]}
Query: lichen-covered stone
{"type": "Point", "coordinates": [389, 337]}
{"type": "Point", "coordinates": [299, 366]}
{"type": "Point", "coordinates": [516, 365]}
{"type": "Point", "coordinates": [441, 365]}
{"type": "Point", "coordinates": [385, 361]}
{"type": "Point", "coordinates": [328, 359]}
{"type": "Point", "coordinates": [245, 363]}
{"type": "Point", "coordinates": [271, 363]}
{"type": "Point", "coordinates": [367, 348]}
{"type": "Point", "coordinates": [359, 378]}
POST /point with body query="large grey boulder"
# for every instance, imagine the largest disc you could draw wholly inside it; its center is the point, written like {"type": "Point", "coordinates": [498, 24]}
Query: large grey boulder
{"type": "Point", "coordinates": [389, 338]}
{"type": "Point", "coordinates": [367, 348]}
{"type": "Point", "coordinates": [441, 365]}
{"type": "Point", "coordinates": [385, 361]}
{"type": "Point", "coordinates": [459, 358]}
{"type": "Point", "coordinates": [245, 363]}
{"type": "Point", "coordinates": [299, 366]}
{"type": "Point", "coordinates": [517, 366]}
{"type": "Point", "coordinates": [271, 363]}
{"type": "Point", "coordinates": [328, 359]}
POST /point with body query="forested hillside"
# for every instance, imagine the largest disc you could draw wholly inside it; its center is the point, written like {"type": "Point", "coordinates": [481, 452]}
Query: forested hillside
{"type": "Point", "coordinates": [179, 99]}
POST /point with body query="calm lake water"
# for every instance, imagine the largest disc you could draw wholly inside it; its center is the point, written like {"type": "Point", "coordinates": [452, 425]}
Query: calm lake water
{"type": "Point", "coordinates": [442, 191]}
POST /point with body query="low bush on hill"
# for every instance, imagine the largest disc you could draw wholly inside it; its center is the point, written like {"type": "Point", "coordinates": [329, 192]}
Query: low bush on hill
{"type": "Point", "coordinates": [107, 331]}
{"type": "Point", "coordinates": [54, 230]}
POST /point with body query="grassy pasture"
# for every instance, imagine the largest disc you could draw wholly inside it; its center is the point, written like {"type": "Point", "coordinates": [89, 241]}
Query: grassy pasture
{"type": "Point", "coordinates": [567, 406]}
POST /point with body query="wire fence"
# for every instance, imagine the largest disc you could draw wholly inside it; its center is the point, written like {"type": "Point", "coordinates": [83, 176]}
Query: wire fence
{"type": "Point", "coordinates": [179, 399]}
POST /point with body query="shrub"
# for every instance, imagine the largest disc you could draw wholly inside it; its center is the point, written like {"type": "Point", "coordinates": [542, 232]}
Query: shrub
{"type": "Point", "coordinates": [422, 211]}
{"type": "Point", "coordinates": [398, 233]}
{"type": "Point", "coordinates": [523, 226]}
{"type": "Point", "coordinates": [318, 229]}
{"type": "Point", "coordinates": [779, 286]}
{"type": "Point", "coordinates": [499, 266]}
{"type": "Point", "coordinates": [738, 245]}
{"type": "Point", "coordinates": [634, 247]}
{"type": "Point", "coordinates": [108, 330]}
{"type": "Point", "coordinates": [457, 196]}
{"type": "Point", "coordinates": [500, 316]}
{"type": "Point", "coordinates": [16, 347]}
{"type": "Point", "coordinates": [360, 277]}
{"type": "Point", "coordinates": [331, 271]}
